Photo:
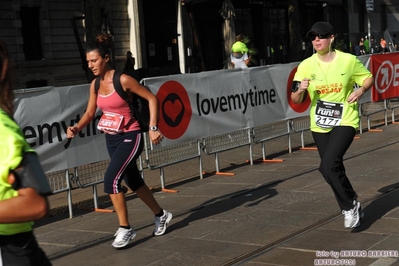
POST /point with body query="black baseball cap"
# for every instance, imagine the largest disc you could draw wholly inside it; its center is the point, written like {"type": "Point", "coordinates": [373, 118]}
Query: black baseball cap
{"type": "Point", "coordinates": [321, 27]}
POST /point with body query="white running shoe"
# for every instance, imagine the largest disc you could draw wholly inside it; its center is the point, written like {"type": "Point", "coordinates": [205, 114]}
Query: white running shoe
{"type": "Point", "coordinates": [161, 223]}
{"type": "Point", "coordinates": [123, 236]}
{"type": "Point", "coordinates": [353, 216]}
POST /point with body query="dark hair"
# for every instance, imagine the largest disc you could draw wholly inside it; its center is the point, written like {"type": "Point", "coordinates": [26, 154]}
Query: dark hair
{"type": "Point", "coordinates": [239, 38]}
{"type": "Point", "coordinates": [6, 91]}
{"type": "Point", "coordinates": [103, 44]}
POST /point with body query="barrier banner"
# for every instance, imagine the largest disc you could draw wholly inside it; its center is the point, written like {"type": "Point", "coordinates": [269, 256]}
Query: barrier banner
{"type": "Point", "coordinates": [366, 60]}
{"type": "Point", "coordinates": [385, 68]}
{"type": "Point", "coordinates": [44, 115]}
{"type": "Point", "coordinates": [192, 106]}
{"type": "Point", "coordinates": [293, 110]}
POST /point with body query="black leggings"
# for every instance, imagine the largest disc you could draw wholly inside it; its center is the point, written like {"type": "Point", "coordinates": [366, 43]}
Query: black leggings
{"type": "Point", "coordinates": [124, 149]}
{"type": "Point", "coordinates": [22, 250]}
{"type": "Point", "coordinates": [332, 147]}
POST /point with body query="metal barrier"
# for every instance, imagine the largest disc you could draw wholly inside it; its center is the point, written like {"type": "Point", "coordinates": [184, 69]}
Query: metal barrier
{"type": "Point", "coordinates": [300, 125]}
{"type": "Point", "coordinates": [93, 174]}
{"type": "Point", "coordinates": [59, 182]}
{"type": "Point", "coordinates": [392, 104]}
{"type": "Point", "coordinates": [261, 134]}
{"type": "Point", "coordinates": [371, 108]}
{"type": "Point", "coordinates": [223, 142]}
{"type": "Point", "coordinates": [90, 175]}
{"type": "Point", "coordinates": [158, 158]}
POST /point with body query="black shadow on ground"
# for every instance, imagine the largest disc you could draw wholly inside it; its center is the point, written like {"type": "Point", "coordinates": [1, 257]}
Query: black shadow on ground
{"type": "Point", "coordinates": [246, 198]}
{"type": "Point", "coordinates": [380, 207]}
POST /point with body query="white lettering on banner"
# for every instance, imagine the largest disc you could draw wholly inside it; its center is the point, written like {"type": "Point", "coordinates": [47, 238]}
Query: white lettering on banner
{"type": "Point", "coordinates": [386, 76]}
{"type": "Point", "coordinates": [396, 75]}
{"type": "Point", "coordinates": [233, 102]}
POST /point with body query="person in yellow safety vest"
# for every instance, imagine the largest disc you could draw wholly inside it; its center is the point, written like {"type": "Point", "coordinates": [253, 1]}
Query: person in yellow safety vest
{"type": "Point", "coordinates": [21, 200]}
{"type": "Point", "coordinates": [239, 53]}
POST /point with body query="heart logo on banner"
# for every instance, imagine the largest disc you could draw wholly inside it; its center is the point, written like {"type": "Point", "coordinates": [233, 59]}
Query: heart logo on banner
{"type": "Point", "coordinates": [173, 109]}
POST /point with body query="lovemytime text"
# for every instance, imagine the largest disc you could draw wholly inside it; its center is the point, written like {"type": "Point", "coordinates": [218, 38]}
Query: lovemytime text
{"type": "Point", "coordinates": [242, 101]}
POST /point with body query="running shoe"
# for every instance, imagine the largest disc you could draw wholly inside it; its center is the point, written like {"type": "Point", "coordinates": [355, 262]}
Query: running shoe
{"type": "Point", "coordinates": [122, 237]}
{"type": "Point", "coordinates": [353, 216]}
{"type": "Point", "coordinates": [161, 223]}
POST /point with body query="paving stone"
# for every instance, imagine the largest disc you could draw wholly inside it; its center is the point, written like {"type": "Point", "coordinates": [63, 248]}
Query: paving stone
{"type": "Point", "coordinates": [220, 218]}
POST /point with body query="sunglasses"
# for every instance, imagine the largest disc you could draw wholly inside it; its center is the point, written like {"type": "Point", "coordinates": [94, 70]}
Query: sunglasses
{"type": "Point", "coordinates": [319, 35]}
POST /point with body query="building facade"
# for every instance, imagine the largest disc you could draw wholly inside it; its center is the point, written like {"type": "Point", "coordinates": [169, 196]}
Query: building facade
{"type": "Point", "coordinates": [47, 38]}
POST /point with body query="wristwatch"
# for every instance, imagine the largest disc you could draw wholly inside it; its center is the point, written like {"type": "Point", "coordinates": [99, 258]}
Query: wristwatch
{"type": "Point", "coordinates": [153, 128]}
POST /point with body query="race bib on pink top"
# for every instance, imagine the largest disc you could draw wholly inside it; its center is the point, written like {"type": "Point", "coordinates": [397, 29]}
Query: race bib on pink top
{"type": "Point", "coordinates": [110, 122]}
{"type": "Point", "coordinates": [114, 104]}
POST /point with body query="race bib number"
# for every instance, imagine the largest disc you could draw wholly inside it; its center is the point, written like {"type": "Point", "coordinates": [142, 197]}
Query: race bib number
{"type": "Point", "coordinates": [110, 122]}
{"type": "Point", "coordinates": [328, 114]}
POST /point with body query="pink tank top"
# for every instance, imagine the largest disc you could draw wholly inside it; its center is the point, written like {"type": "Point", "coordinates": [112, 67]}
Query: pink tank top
{"type": "Point", "coordinates": [113, 103]}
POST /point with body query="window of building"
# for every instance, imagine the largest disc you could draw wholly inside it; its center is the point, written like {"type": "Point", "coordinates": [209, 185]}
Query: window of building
{"type": "Point", "coordinates": [362, 18]}
{"type": "Point", "coordinates": [383, 17]}
{"type": "Point", "coordinates": [243, 22]}
{"type": "Point", "coordinates": [30, 20]}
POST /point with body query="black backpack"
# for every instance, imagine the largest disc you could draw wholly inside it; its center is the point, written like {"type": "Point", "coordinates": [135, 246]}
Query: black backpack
{"type": "Point", "coordinates": [138, 105]}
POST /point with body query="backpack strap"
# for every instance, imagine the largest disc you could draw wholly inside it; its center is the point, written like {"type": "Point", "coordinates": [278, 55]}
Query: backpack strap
{"type": "Point", "coordinates": [118, 87]}
{"type": "Point", "coordinates": [97, 85]}
{"type": "Point", "coordinates": [116, 80]}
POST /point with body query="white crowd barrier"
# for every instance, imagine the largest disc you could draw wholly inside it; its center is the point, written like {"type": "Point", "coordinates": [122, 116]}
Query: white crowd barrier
{"type": "Point", "coordinates": [227, 141]}
{"type": "Point", "coordinates": [264, 133]}
{"type": "Point", "coordinates": [391, 105]}
{"type": "Point", "coordinates": [301, 125]}
{"type": "Point", "coordinates": [172, 154]}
